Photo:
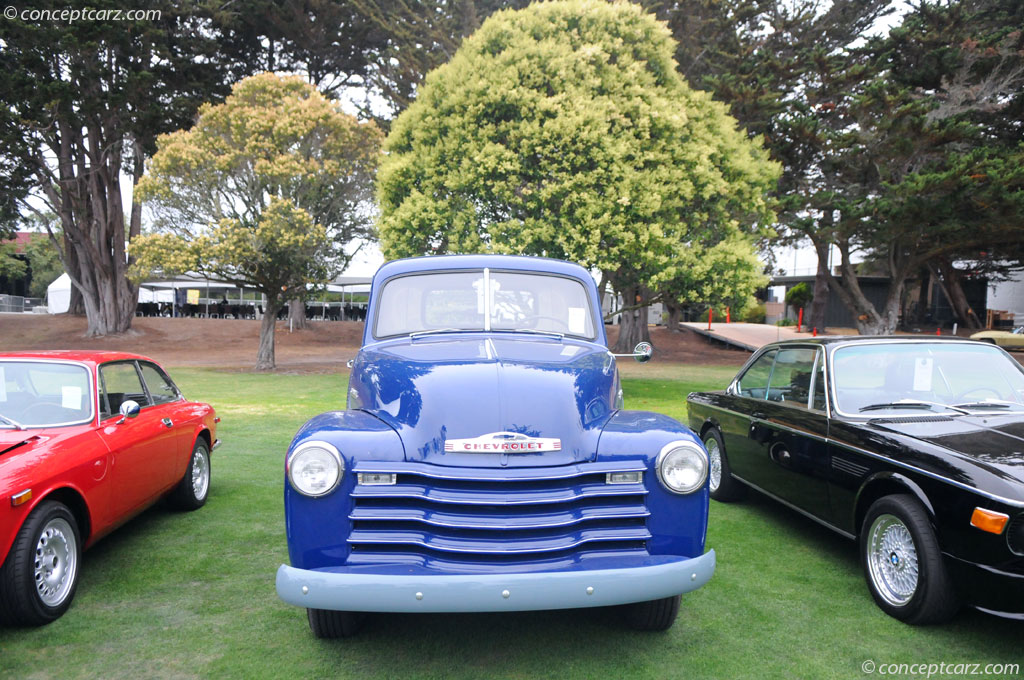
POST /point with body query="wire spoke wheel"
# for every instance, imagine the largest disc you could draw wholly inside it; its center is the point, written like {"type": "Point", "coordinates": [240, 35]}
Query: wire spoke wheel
{"type": "Point", "coordinates": [715, 457]}
{"type": "Point", "coordinates": [893, 559]}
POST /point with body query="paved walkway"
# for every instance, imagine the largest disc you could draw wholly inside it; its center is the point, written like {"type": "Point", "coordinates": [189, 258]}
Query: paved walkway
{"type": "Point", "coordinates": [748, 336]}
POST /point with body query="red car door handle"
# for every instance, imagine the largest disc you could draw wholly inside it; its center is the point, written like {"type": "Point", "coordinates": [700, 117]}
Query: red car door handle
{"type": "Point", "coordinates": [167, 421]}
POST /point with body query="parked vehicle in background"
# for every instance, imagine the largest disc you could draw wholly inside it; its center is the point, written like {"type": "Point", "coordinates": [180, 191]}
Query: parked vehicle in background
{"type": "Point", "coordinates": [1007, 339]}
{"type": "Point", "coordinates": [87, 441]}
{"type": "Point", "coordinates": [910, 446]}
{"type": "Point", "coordinates": [485, 463]}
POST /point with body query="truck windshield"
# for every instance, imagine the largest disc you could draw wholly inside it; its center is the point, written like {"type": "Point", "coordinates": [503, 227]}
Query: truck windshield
{"type": "Point", "coordinates": [484, 301]}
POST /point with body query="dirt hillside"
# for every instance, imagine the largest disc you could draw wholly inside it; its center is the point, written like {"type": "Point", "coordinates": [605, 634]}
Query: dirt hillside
{"type": "Point", "coordinates": [232, 344]}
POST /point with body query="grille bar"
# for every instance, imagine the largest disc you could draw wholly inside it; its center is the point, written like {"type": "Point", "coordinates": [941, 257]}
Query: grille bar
{"type": "Point", "coordinates": [478, 546]}
{"type": "Point", "coordinates": [499, 522]}
{"type": "Point", "coordinates": [499, 474]}
{"type": "Point", "coordinates": [523, 496]}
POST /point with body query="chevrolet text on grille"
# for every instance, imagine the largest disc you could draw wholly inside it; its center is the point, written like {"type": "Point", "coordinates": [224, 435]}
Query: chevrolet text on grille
{"type": "Point", "coordinates": [504, 441]}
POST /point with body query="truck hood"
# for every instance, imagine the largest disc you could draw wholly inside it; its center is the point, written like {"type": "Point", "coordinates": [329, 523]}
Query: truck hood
{"type": "Point", "coordinates": [434, 390]}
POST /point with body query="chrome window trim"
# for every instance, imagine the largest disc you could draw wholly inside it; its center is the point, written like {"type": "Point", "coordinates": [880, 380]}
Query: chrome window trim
{"type": "Point", "coordinates": [94, 402]}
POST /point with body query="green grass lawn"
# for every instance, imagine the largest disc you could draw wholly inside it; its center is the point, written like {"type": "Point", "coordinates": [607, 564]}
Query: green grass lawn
{"type": "Point", "coordinates": [192, 595]}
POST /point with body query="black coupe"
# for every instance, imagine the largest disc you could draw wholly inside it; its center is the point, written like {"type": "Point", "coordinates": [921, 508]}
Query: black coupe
{"type": "Point", "coordinates": [914, 447]}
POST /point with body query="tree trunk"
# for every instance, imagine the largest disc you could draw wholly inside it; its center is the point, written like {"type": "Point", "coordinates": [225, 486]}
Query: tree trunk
{"type": "Point", "coordinates": [265, 356]}
{"type": "Point", "coordinates": [952, 285]}
{"type": "Point", "coordinates": [675, 313]}
{"type": "Point", "coordinates": [75, 306]}
{"type": "Point", "coordinates": [869, 320]}
{"type": "Point", "coordinates": [819, 303]}
{"type": "Point", "coordinates": [633, 327]}
{"type": "Point", "coordinates": [87, 198]}
{"type": "Point", "coordinates": [297, 315]}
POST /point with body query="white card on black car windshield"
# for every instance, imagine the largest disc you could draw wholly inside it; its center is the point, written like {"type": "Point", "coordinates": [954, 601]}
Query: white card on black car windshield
{"type": "Point", "coordinates": [923, 375]}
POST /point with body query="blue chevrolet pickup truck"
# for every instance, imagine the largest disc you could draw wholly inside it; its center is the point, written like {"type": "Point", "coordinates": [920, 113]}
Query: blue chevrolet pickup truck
{"type": "Point", "coordinates": [484, 462]}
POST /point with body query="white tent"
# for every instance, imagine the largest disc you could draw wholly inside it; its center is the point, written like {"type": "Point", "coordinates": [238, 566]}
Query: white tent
{"type": "Point", "coordinates": [58, 295]}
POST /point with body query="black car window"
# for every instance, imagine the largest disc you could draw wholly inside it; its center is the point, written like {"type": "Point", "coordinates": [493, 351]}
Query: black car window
{"type": "Point", "coordinates": [161, 389]}
{"type": "Point", "coordinates": [754, 381]}
{"type": "Point", "coordinates": [791, 377]}
{"type": "Point", "coordinates": [820, 388]}
{"type": "Point", "coordinates": [120, 383]}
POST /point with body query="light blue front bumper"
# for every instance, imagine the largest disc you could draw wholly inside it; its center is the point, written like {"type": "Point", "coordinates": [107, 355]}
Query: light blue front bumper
{"type": "Point", "coordinates": [359, 590]}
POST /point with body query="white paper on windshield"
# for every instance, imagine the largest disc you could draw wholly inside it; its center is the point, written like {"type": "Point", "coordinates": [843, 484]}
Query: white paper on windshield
{"type": "Point", "coordinates": [923, 375]}
{"type": "Point", "coordinates": [71, 397]}
{"type": "Point", "coordinates": [3, 385]}
{"type": "Point", "coordinates": [577, 320]}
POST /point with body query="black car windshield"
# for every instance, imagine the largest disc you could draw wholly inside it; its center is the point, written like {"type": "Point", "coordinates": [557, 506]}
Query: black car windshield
{"type": "Point", "coordinates": [43, 394]}
{"type": "Point", "coordinates": [445, 302]}
{"type": "Point", "coordinates": [942, 377]}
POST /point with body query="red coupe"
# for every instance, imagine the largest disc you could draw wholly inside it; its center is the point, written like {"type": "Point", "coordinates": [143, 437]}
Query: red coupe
{"type": "Point", "coordinates": [87, 441]}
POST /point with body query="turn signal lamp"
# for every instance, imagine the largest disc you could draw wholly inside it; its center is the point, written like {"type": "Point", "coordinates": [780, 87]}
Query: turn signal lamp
{"type": "Point", "coordinates": [989, 520]}
{"type": "Point", "coordinates": [377, 478]}
{"type": "Point", "coordinates": [21, 498]}
{"type": "Point", "coordinates": [634, 477]}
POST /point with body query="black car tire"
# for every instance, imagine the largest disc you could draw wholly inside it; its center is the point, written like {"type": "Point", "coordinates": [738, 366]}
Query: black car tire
{"type": "Point", "coordinates": [652, 615]}
{"type": "Point", "coordinates": [328, 624]}
{"type": "Point", "coordinates": [20, 600]}
{"type": "Point", "coordinates": [192, 491]}
{"type": "Point", "coordinates": [728, 489]}
{"type": "Point", "coordinates": [897, 525]}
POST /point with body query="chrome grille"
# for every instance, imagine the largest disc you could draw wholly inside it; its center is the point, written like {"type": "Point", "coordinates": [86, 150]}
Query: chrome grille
{"type": "Point", "coordinates": [497, 515]}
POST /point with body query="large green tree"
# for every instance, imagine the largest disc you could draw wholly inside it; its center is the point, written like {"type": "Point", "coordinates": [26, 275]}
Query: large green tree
{"type": "Point", "coordinates": [564, 129]}
{"type": "Point", "coordinates": [268, 190]}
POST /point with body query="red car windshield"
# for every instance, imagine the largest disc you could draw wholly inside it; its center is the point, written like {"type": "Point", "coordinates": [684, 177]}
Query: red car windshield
{"type": "Point", "coordinates": [43, 394]}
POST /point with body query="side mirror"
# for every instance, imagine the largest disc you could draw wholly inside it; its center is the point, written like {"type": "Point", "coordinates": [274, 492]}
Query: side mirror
{"type": "Point", "coordinates": [129, 409]}
{"type": "Point", "coordinates": [642, 352]}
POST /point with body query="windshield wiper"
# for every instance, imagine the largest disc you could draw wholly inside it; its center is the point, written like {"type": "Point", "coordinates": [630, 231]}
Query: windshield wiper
{"type": "Point", "coordinates": [989, 403]}
{"type": "Point", "coordinates": [15, 423]}
{"type": "Point", "coordinates": [910, 403]}
{"type": "Point", "coordinates": [434, 331]}
{"type": "Point", "coordinates": [528, 330]}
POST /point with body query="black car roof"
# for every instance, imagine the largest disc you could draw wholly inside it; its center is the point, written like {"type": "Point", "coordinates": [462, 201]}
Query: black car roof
{"type": "Point", "coordinates": [853, 339]}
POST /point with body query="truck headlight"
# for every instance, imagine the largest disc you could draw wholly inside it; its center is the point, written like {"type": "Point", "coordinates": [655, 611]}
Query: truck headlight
{"type": "Point", "coordinates": [315, 468]}
{"type": "Point", "coordinates": [682, 467]}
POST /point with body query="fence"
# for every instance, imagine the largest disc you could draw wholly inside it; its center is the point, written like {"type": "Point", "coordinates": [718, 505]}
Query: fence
{"type": "Point", "coordinates": [18, 304]}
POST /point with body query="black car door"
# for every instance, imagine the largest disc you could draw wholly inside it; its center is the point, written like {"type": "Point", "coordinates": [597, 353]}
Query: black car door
{"type": "Point", "coordinates": [745, 396]}
{"type": "Point", "coordinates": [789, 432]}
